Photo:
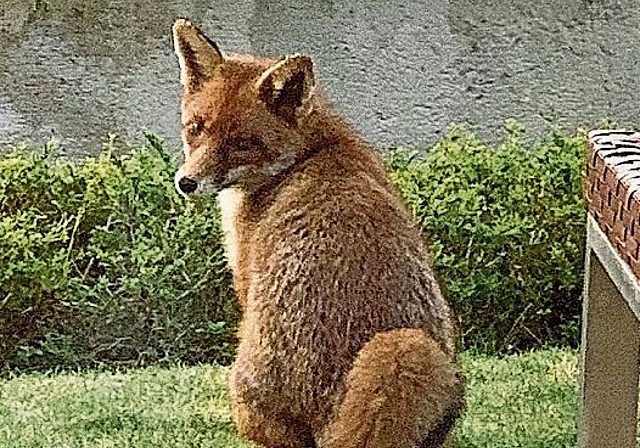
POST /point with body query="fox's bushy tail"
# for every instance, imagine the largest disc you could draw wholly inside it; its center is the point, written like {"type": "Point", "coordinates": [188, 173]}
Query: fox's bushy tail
{"type": "Point", "coordinates": [403, 391]}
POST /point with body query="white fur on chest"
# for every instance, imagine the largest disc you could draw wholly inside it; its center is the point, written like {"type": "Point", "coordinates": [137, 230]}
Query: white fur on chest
{"type": "Point", "coordinates": [230, 200]}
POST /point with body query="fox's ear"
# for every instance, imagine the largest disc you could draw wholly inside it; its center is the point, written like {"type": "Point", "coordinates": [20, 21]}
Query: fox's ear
{"type": "Point", "coordinates": [198, 56]}
{"type": "Point", "coordinates": [287, 86]}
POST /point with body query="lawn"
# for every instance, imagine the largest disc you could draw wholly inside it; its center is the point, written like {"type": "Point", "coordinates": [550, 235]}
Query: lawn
{"type": "Point", "coordinates": [517, 401]}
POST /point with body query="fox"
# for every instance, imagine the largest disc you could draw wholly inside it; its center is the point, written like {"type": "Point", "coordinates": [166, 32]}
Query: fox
{"type": "Point", "coordinates": [345, 339]}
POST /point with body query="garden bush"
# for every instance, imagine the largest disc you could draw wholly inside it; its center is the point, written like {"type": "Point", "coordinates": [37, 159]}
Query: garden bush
{"type": "Point", "coordinates": [506, 225]}
{"type": "Point", "coordinates": [102, 263]}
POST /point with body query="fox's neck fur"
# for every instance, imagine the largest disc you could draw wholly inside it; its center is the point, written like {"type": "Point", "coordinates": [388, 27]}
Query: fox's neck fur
{"type": "Point", "coordinates": [324, 130]}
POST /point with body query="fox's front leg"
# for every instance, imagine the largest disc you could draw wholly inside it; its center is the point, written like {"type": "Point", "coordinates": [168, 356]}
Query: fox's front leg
{"type": "Point", "coordinates": [260, 420]}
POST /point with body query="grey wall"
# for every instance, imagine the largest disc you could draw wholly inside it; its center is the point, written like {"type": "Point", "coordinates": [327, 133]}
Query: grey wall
{"type": "Point", "coordinates": [402, 71]}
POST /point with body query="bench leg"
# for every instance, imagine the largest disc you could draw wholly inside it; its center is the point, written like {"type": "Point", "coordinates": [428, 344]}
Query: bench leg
{"type": "Point", "coordinates": [609, 364]}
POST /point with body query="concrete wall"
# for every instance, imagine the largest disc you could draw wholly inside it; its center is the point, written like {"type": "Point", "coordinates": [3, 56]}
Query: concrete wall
{"type": "Point", "coordinates": [402, 71]}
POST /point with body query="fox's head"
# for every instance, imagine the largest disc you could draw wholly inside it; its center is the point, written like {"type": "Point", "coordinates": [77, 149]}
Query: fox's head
{"type": "Point", "coordinates": [241, 115]}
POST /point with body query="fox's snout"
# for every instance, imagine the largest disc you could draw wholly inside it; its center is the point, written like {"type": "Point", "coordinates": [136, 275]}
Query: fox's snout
{"type": "Point", "coordinates": [186, 185]}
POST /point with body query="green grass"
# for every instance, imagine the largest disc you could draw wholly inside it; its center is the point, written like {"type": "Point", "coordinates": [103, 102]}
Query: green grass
{"type": "Point", "coordinates": [521, 401]}
{"type": "Point", "coordinates": [518, 401]}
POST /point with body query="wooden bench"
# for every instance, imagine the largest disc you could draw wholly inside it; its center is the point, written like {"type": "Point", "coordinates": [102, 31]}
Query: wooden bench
{"type": "Point", "coordinates": [611, 310]}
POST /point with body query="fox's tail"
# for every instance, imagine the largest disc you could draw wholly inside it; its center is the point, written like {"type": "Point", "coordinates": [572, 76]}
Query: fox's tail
{"type": "Point", "coordinates": [403, 391]}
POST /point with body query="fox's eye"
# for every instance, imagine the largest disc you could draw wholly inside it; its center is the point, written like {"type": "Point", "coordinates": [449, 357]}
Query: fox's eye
{"type": "Point", "coordinates": [193, 130]}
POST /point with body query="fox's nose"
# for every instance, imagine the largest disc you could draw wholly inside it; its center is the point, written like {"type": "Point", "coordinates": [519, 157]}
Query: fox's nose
{"type": "Point", "coordinates": [186, 185]}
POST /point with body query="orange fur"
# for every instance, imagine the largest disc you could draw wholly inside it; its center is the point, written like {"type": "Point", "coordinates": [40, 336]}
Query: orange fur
{"type": "Point", "coordinates": [346, 339]}
{"type": "Point", "coordinates": [400, 386]}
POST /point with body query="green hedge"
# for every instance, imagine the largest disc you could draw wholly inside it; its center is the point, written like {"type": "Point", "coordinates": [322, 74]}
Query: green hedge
{"type": "Point", "coordinates": [103, 263]}
{"type": "Point", "coordinates": [507, 228]}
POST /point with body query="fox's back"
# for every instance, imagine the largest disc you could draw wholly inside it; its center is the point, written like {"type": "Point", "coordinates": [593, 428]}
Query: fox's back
{"type": "Point", "coordinates": [334, 259]}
